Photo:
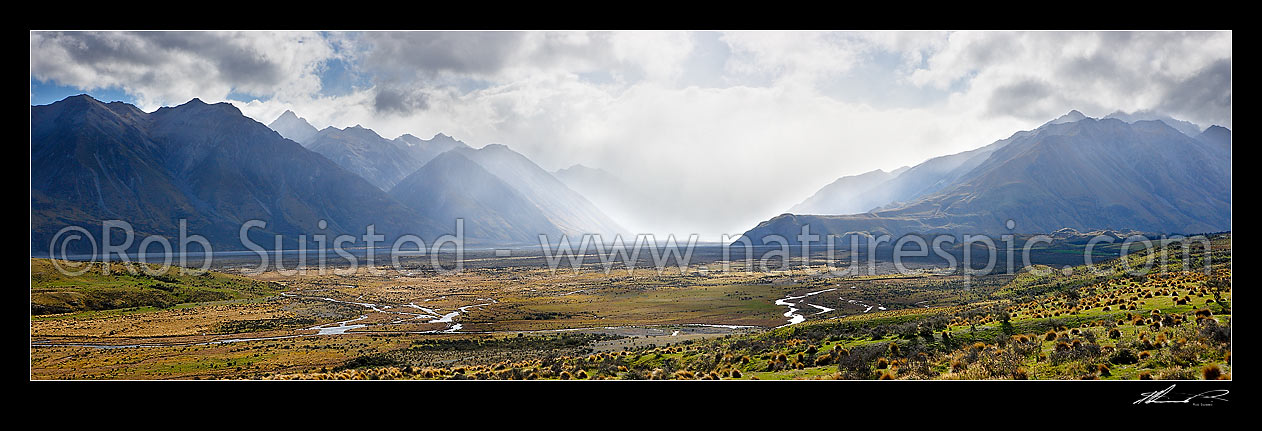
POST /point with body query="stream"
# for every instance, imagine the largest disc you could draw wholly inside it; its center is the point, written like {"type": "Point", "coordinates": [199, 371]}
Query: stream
{"type": "Point", "coordinates": [793, 302]}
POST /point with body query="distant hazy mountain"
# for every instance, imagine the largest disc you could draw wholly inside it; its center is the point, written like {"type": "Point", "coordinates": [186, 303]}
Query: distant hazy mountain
{"type": "Point", "coordinates": [917, 181]}
{"type": "Point", "coordinates": [451, 186]}
{"type": "Point", "coordinates": [1069, 117]}
{"type": "Point", "coordinates": [565, 208]}
{"type": "Point", "coordinates": [292, 126]}
{"type": "Point", "coordinates": [381, 161]}
{"type": "Point", "coordinates": [502, 195]}
{"type": "Point", "coordinates": [1086, 175]}
{"type": "Point", "coordinates": [423, 150]}
{"type": "Point", "coordinates": [208, 164]}
{"type": "Point", "coordinates": [1186, 127]}
{"type": "Point", "coordinates": [846, 195]}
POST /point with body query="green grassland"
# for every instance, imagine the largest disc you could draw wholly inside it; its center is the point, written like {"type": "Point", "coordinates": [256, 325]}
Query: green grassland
{"type": "Point", "coordinates": [126, 286]}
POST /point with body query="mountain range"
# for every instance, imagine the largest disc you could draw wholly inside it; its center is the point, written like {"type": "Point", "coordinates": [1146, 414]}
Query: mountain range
{"type": "Point", "coordinates": [214, 168]}
{"type": "Point", "coordinates": [206, 164]}
{"type": "Point", "coordinates": [502, 195]}
{"type": "Point", "coordinates": [1073, 172]}
{"type": "Point", "coordinates": [383, 162]}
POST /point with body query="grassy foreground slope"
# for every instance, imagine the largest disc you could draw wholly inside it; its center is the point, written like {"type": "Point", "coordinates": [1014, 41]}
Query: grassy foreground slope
{"type": "Point", "coordinates": [126, 286]}
{"type": "Point", "coordinates": [1173, 322]}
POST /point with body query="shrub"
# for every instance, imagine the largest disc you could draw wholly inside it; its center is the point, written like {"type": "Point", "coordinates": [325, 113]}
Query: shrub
{"type": "Point", "coordinates": [1124, 356]}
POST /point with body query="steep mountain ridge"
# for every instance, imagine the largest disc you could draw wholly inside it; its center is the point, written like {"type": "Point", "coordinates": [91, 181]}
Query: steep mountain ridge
{"type": "Point", "coordinates": [1087, 175]}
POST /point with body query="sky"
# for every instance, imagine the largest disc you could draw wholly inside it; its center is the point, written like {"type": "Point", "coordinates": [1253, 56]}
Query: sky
{"type": "Point", "coordinates": [723, 129]}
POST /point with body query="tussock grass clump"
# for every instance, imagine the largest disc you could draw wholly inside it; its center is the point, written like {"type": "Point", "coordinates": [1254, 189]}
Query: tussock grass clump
{"type": "Point", "coordinates": [1211, 372]}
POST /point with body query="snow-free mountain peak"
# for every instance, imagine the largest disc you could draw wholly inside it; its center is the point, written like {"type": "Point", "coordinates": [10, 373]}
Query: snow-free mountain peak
{"type": "Point", "coordinates": [1185, 127]}
{"type": "Point", "coordinates": [293, 127]}
{"type": "Point", "coordinates": [1069, 117]}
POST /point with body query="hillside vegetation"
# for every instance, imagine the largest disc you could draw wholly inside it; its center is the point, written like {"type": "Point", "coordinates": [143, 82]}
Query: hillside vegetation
{"type": "Point", "coordinates": [1043, 324]}
{"type": "Point", "coordinates": [126, 286]}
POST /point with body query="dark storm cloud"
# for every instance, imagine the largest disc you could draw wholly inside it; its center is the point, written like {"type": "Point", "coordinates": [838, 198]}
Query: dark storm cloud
{"type": "Point", "coordinates": [1022, 99]}
{"type": "Point", "coordinates": [400, 101]}
{"type": "Point", "coordinates": [400, 57]}
{"type": "Point", "coordinates": [235, 64]}
{"type": "Point", "coordinates": [406, 54]}
{"type": "Point", "coordinates": [1204, 98]}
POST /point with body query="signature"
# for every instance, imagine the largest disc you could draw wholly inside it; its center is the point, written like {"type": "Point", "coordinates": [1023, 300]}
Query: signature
{"type": "Point", "coordinates": [1165, 397]}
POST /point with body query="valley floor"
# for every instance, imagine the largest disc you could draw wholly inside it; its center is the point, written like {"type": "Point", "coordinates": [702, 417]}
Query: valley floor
{"type": "Point", "coordinates": [525, 322]}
